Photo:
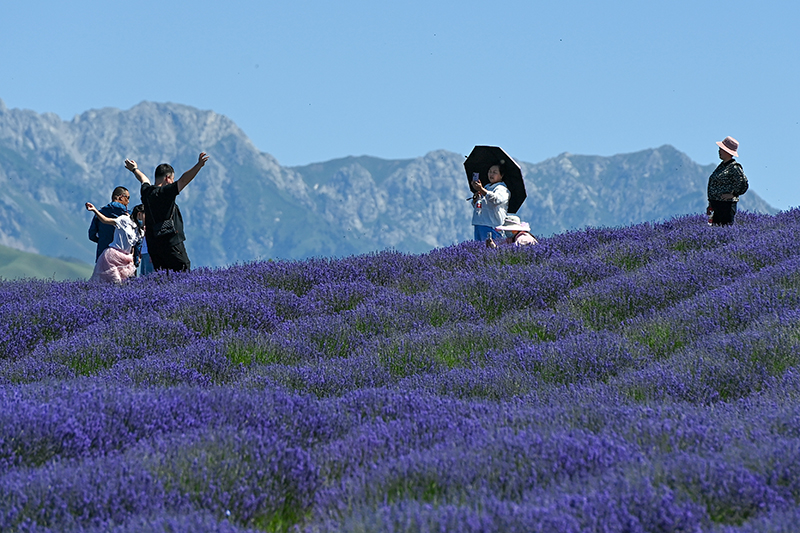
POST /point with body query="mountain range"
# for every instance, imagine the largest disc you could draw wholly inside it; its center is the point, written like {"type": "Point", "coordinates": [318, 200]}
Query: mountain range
{"type": "Point", "coordinates": [245, 206]}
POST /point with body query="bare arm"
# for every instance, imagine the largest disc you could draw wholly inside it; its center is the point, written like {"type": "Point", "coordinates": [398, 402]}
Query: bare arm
{"type": "Point", "coordinates": [100, 216]}
{"type": "Point", "coordinates": [131, 165]}
{"type": "Point", "coordinates": [189, 175]}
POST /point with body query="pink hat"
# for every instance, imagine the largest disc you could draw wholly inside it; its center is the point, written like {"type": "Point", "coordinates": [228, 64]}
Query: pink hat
{"type": "Point", "coordinates": [730, 145]}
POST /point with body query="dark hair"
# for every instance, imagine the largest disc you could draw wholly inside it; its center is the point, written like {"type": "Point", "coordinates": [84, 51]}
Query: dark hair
{"type": "Point", "coordinates": [163, 170]}
{"type": "Point", "coordinates": [134, 214]}
{"type": "Point", "coordinates": [118, 192]}
{"type": "Point", "coordinates": [501, 167]}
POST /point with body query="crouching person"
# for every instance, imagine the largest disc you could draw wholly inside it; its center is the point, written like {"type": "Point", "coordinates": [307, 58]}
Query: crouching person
{"type": "Point", "coordinates": [517, 233]}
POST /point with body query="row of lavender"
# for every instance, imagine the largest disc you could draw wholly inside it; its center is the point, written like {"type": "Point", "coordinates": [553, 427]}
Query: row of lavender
{"type": "Point", "coordinates": [628, 379]}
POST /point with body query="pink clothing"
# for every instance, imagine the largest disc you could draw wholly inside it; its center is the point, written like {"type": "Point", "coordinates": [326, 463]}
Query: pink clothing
{"type": "Point", "coordinates": [114, 266]}
{"type": "Point", "coordinates": [522, 238]}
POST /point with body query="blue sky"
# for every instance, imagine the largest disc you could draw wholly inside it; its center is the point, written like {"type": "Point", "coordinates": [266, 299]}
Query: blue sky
{"type": "Point", "coordinates": [310, 81]}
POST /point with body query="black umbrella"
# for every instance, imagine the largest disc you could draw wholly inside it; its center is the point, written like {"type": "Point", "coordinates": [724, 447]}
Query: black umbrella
{"type": "Point", "coordinates": [482, 158]}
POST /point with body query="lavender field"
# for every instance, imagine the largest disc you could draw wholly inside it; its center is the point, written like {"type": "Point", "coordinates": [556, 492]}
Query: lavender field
{"type": "Point", "coordinates": [640, 379]}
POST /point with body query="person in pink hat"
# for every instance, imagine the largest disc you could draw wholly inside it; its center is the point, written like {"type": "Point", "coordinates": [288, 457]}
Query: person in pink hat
{"type": "Point", "coordinates": [517, 233]}
{"type": "Point", "coordinates": [726, 184]}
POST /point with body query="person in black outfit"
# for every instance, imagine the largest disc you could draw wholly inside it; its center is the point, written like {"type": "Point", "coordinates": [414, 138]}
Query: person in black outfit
{"type": "Point", "coordinates": [726, 184]}
{"type": "Point", "coordinates": [164, 228]}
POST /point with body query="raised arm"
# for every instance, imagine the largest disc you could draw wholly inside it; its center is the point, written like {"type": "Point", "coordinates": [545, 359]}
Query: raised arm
{"type": "Point", "coordinates": [131, 165]}
{"type": "Point", "coordinates": [100, 216]}
{"type": "Point", "coordinates": [189, 175]}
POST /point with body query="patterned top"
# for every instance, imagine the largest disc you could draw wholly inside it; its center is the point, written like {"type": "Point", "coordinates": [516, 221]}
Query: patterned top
{"type": "Point", "coordinates": [727, 178]}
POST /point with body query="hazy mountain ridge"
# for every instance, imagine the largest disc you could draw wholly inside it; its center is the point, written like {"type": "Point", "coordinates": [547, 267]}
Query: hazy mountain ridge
{"type": "Point", "coordinates": [577, 190]}
{"type": "Point", "coordinates": [245, 206]}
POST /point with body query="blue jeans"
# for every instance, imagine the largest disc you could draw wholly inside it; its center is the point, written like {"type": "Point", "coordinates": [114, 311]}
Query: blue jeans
{"type": "Point", "coordinates": [482, 232]}
{"type": "Point", "coordinates": [145, 265]}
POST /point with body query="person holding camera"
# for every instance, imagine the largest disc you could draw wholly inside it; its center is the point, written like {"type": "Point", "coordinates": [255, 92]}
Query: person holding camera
{"type": "Point", "coordinates": [489, 204]}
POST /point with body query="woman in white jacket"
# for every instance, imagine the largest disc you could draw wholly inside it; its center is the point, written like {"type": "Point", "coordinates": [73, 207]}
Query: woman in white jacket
{"type": "Point", "coordinates": [115, 264]}
{"type": "Point", "coordinates": [490, 204]}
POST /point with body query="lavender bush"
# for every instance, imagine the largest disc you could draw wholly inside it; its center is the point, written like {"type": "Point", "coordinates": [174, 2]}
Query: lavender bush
{"type": "Point", "coordinates": [634, 379]}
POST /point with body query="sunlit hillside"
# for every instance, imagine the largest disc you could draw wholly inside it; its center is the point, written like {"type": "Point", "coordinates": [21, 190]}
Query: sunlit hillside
{"type": "Point", "coordinates": [15, 264]}
{"type": "Point", "coordinates": [640, 378]}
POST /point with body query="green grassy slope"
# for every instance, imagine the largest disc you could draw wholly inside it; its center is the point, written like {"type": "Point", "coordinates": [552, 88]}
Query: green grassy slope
{"type": "Point", "coordinates": [15, 264]}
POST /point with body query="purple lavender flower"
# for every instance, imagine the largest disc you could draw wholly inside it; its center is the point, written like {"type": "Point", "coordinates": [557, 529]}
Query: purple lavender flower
{"type": "Point", "coordinates": [611, 379]}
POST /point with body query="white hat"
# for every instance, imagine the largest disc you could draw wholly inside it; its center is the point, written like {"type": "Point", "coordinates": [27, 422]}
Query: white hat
{"type": "Point", "coordinates": [512, 223]}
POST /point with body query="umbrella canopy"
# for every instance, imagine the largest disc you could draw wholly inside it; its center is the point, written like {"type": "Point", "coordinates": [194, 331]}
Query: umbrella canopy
{"type": "Point", "coordinates": [482, 158]}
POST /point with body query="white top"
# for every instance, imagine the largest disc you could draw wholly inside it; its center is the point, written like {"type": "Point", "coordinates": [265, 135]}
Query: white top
{"type": "Point", "coordinates": [126, 234]}
{"type": "Point", "coordinates": [494, 206]}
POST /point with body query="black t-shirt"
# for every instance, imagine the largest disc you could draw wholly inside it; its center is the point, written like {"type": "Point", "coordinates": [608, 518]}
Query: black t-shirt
{"type": "Point", "coordinates": [158, 202]}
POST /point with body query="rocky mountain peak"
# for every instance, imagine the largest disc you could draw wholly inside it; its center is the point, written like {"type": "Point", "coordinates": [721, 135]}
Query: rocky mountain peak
{"type": "Point", "coordinates": [244, 205]}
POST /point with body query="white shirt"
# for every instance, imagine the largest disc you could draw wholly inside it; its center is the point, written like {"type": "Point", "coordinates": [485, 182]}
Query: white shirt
{"type": "Point", "coordinates": [494, 206]}
{"type": "Point", "coordinates": [126, 234]}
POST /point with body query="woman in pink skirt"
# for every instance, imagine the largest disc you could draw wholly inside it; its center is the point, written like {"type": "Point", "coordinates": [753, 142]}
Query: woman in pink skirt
{"type": "Point", "coordinates": [115, 264]}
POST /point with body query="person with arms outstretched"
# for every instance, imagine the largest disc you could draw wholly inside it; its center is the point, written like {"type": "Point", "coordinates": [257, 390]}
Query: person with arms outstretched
{"type": "Point", "coordinates": [164, 228]}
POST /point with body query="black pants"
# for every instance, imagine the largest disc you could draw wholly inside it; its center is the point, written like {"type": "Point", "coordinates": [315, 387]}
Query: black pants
{"type": "Point", "coordinates": [170, 258]}
{"type": "Point", "coordinates": [724, 212]}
